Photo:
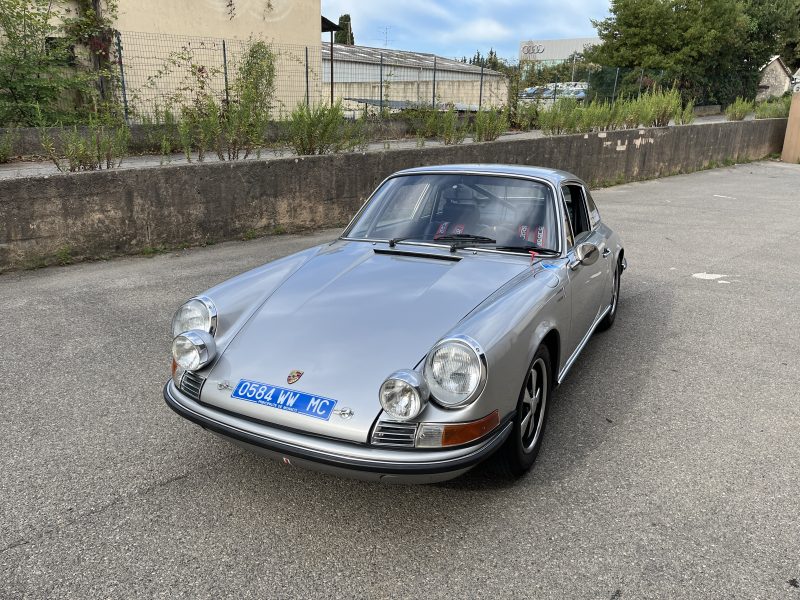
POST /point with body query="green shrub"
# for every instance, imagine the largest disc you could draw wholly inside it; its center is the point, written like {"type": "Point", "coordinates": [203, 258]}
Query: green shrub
{"type": "Point", "coordinates": [489, 124]}
{"type": "Point", "coordinates": [777, 108]}
{"type": "Point", "coordinates": [7, 145]}
{"type": "Point", "coordinates": [738, 109]}
{"type": "Point", "coordinates": [422, 121]}
{"type": "Point", "coordinates": [102, 144]}
{"type": "Point", "coordinates": [527, 116]}
{"type": "Point", "coordinates": [322, 129]}
{"type": "Point", "coordinates": [561, 117]}
{"type": "Point", "coordinates": [662, 107]}
{"type": "Point", "coordinates": [451, 128]}
{"type": "Point", "coordinates": [686, 116]}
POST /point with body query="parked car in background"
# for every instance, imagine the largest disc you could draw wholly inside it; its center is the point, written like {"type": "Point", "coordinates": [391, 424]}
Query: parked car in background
{"type": "Point", "coordinates": [428, 337]}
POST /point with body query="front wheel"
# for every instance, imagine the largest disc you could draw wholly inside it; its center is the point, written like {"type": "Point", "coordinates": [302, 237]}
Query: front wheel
{"type": "Point", "coordinates": [611, 315]}
{"type": "Point", "coordinates": [520, 450]}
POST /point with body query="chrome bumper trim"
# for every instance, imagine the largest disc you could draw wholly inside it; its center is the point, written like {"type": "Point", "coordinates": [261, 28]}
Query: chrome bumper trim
{"type": "Point", "coordinates": [333, 453]}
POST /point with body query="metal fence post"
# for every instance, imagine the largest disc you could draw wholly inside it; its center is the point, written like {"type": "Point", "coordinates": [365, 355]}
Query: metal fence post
{"type": "Point", "coordinates": [381, 93]}
{"type": "Point", "coordinates": [225, 70]}
{"type": "Point", "coordinates": [331, 68]}
{"type": "Point", "coordinates": [433, 100]}
{"type": "Point", "coordinates": [614, 93]}
{"type": "Point", "coordinates": [122, 75]}
{"type": "Point", "coordinates": [307, 89]}
{"type": "Point", "coordinates": [480, 91]}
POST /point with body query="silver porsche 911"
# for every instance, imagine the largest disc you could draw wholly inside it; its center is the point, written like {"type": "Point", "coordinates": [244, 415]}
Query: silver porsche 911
{"type": "Point", "coordinates": [426, 338]}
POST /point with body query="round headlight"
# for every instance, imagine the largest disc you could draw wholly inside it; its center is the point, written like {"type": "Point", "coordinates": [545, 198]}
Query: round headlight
{"type": "Point", "coordinates": [455, 372]}
{"type": "Point", "coordinates": [403, 395]}
{"type": "Point", "coordinates": [193, 349]}
{"type": "Point", "coordinates": [197, 313]}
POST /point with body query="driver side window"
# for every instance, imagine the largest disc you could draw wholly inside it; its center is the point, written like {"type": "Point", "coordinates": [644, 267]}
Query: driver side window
{"type": "Point", "coordinates": [575, 206]}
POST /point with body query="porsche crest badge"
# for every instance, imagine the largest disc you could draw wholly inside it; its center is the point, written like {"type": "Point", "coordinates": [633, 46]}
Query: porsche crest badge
{"type": "Point", "coordinates": [294, 376]}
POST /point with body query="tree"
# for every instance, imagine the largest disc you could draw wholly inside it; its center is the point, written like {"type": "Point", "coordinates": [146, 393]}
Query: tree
{"type": "Point", "coordinates": [710, 49]}
{"type": "Point", "coordinates": [38, 66]}
{"type": "Point", "coordinates": [345, 33]}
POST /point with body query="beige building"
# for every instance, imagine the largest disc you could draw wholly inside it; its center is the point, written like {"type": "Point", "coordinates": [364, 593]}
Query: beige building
{"type": "Point", "coordinates": [280, 21]}
{"type": "Point", "coordinates": [172, 50]}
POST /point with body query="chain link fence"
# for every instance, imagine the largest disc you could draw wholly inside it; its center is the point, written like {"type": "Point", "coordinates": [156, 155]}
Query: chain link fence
{"type": "Point", "coordinates": [550, 80]}
{"type": "Point", "coordinates": [159, 71]}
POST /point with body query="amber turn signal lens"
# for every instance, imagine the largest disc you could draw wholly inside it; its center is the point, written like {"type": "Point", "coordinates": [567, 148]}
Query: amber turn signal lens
{"type": "Point", "coordinates": [463, 433]}
{"type": "Point", "coordinates": [174, 367]}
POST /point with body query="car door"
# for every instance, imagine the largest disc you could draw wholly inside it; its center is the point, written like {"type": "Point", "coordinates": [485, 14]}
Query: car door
{"type": "Point", "coordinates": [587, 283]}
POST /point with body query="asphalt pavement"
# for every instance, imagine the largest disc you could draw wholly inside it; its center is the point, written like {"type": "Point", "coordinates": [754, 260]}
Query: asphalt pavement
{"type": "Point", "coordinates": [670, 465]}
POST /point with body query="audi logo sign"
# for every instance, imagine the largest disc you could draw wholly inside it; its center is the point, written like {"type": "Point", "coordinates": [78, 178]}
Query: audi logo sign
{"type": "Point", "coordinates": [533, 48]}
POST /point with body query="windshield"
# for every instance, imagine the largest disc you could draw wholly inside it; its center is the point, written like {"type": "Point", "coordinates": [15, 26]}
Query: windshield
{"type": "Point", "coordinates": [512, 212]}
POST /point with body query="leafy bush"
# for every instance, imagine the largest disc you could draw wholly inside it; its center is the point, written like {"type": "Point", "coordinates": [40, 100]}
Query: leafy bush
{"type": "Point", "coordinates": [686, 116]}
{"type": "Point", "coordinates": [489, 124]}
{"type": "Point", "coordinates": [322, 129]}
{"type": "Point", "coordinates": [561, 117]}
{"type": "Point", "coordinates": [7, 145]}
{"type": "Point", "coordinates": [422, 120]}
{"type": "Point", "coordinates": [451, 128]}
{"type": "Point", "coordinates": [102, 144]}
{"type": "Point", "coordinates": [738, 109]}
{"type": "Point", "coordinates": [39, 77]}
{"type": "Point", "coordinates": [527, 116]}
{"type": "Point", "coordinates": [777, 108]}
{"type": "Point", "coordinates": [663, 107]}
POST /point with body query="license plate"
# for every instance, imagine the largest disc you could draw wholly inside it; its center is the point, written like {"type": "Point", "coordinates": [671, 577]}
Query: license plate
{"type": "Point", "coordinates": [294, 401]}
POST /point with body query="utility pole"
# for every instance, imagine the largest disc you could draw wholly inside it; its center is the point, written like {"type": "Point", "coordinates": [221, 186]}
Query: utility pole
{"type": "Point", "coordinates": [386, 39]}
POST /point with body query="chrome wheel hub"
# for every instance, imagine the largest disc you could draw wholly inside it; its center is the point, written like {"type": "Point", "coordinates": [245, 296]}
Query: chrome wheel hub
{"type": "Point", "coordinates": [534, 397]}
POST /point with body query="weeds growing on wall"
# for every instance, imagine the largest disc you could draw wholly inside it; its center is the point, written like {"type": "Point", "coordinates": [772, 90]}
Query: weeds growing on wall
{"type": "Point", "coordinates": [653, 109]}
{"type": "Point", "coordinates": [489, 124]}
{"type": "Point", "coordinates": [102, 144]}
{"type": "Point", "coordinates": [7, 140]}
{"type": "Point", "coordinates": [777, 108]}
{"type": "Point", "coordinates": [739, 109]}
{"type": "Point", "coordinates": [452, 129]}
{"type": "Point", "coordinates": [323, 129]}
{"type": "Point", "coordinates": [526, 116]}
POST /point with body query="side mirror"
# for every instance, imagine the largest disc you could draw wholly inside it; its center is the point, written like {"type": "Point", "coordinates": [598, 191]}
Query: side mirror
{"type": "Point", "coordinates": [585, 254]}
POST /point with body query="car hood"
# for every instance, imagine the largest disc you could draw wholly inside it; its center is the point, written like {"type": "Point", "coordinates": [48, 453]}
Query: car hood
{"type": "Point", "coordinates": [347, 319]}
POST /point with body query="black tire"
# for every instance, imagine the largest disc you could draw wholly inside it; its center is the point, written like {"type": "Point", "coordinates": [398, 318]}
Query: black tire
{"type": "Point", "coordinates": [520, 450]}
{"type": "Point", "coordinates": [609, 319]}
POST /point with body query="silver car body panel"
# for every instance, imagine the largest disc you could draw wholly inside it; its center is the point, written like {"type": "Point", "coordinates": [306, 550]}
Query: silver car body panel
{"type": "Point", "coordinates": [351, 312]}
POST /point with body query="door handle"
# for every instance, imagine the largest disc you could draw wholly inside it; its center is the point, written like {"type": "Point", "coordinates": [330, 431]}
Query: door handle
{"type": "Point", "coordinates": [606, 252]}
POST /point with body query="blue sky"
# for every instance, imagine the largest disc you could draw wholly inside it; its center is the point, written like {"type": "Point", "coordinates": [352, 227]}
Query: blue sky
{"type": "Point", "coordinates": [455, 28]}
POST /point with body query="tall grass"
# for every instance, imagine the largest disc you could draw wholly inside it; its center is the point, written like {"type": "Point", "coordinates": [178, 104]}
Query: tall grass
{"type": "Point", "coordinates": [489, 124]}
{"type": "Point", "coordinates": [323, 129]}
{"type": "Point", "coordinates": [777, 108]}
{"type": "Point", "coordinates": [739, 109]}
{"type": "Point", "coordinates": [7, 144]}
{"type": "Point", "coordinates": [655, 109]}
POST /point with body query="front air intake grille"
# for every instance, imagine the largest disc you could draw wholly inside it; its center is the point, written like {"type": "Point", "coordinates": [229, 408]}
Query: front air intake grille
{"type": "Point", "coordinates": [191, 384]}
{"type": "Point", "coordinates": [392, 433]}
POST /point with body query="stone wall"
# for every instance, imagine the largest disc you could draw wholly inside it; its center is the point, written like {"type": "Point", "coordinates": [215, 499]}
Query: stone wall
{"type": "Point", "coordinates": [96, 214]}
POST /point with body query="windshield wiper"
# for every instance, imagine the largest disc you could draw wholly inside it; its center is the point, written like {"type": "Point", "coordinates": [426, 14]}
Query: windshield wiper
{"type": "Point", "coordinates": [460, 240]}
{"type": "Point", "coordinates": [394, 241]}
{"type": "Point", "coordinates": [530, 248]}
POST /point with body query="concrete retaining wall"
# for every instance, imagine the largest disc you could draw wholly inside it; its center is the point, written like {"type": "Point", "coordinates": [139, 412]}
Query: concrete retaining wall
{"type": "Point", "coordinates": [94, 214]}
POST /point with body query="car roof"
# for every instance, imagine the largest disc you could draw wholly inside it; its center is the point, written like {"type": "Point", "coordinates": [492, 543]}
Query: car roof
{"type": "Point", "coordinates": [555, 176]}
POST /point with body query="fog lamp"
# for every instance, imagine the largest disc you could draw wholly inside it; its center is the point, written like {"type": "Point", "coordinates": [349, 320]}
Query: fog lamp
{"type": "Point", "coordinates": [403, 395]}
{"type": "Point", "coordinates": [193, 349]}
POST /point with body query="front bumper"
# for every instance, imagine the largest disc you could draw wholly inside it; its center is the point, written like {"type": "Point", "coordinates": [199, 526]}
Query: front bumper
{"type": "Point", "coordinates": [339, 458]}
